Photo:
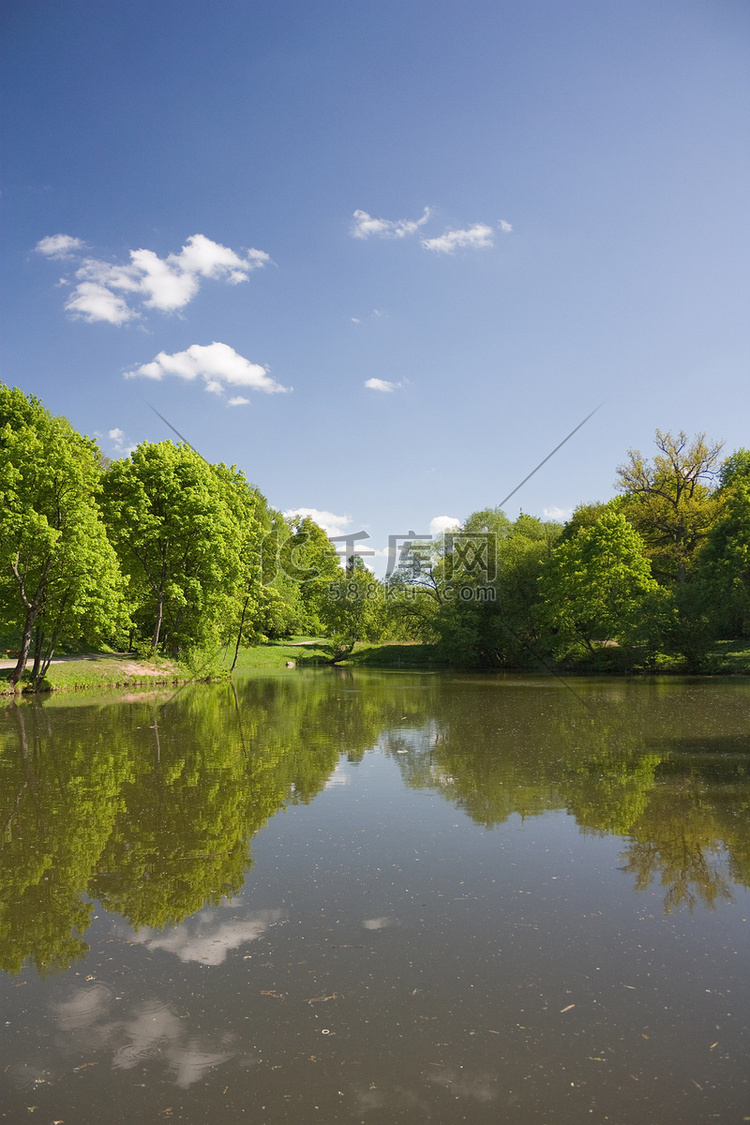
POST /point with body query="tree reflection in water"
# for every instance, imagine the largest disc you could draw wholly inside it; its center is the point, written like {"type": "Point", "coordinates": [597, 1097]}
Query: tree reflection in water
{"type": "Point", "coordinates": [150, 805]}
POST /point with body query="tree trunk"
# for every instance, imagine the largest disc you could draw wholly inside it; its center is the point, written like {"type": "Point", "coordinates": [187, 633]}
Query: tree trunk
{"type": "Point", "coordinates": [239, 634]}
{"type": "Point", "coordinates": [159, 618]}
{"type": "Point", "coordinates": [23, 656]}
{"type": "Point", "coordinates": [38, 638]}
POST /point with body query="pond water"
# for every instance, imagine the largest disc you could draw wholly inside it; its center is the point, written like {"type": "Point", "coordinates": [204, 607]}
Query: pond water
{"type": "Point", "coordinates": [368, 897]}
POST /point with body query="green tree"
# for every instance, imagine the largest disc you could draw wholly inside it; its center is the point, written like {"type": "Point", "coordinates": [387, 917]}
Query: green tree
{"type": "Point", "coordinates": [672, 502]}
{"type": "Point", "coordinates": [354, 609]}
{"type": "Point", "coordinates": [595, 586]}
{"type": "Point", "coordinates": [586, 515]}
{"type": "Point", "coordinates": [724, 567]}
{"type": "Point", "coordinates": [736, 467]}
{"type": "Point", "coordinates": [258, 609]}
{"type": "Point", "coordinates": [308, 558]}
{"type": "Point", "coordinates": [59, 575]}
{"type": "Point", "coordinates": [177, 525]}
{"type": "Point", "coordinates": [482, 589]}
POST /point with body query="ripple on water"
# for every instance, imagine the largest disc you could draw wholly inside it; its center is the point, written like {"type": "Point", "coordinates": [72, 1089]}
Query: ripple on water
{"type": "Point", "coordinates": [83, 1007]}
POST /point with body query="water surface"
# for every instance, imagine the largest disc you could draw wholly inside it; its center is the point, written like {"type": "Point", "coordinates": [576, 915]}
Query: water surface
{"type": "Point", "coordinates": [372, 897]}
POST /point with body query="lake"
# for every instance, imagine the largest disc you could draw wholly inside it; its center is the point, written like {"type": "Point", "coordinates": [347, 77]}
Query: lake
{"type": "Point", "coordinates": [333, 896]}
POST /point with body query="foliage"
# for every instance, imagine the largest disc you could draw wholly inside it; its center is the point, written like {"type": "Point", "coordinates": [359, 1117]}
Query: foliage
{"type": "Point", "coordinates": [672, 502]}
{"type": "Point", "coordinates": [189, 557]}
{"type": "Point", "coordinates": [477, 591]}
{"type": "Point", "coordinates": [354, 609]}
{"type": "Point", "coordinates": [736, 468]}
{"type": "Point", "coordinates": [174, 522]}
{"type": "Point", "coordinates": [59, 577]}
{"type": "Point", "coordinates": [308, 559]}
{"type": "Point", "coordinates": [586, 515]}
{"type": "Point", "coordinates": [595, 585]}
{"type": "Point", "coordinates": [724, 567]}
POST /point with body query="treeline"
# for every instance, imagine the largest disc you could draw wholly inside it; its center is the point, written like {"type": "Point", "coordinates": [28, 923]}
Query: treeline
{"type": "Point", "coordinates": [159, 552]}
{"type": "Point", "coordinates": [660, 572]}
{"type": "Point", "coordinates": [162, 552]}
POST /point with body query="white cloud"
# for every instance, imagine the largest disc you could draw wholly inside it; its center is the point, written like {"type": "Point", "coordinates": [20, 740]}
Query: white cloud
{"type": "Point", "coordinates": [440, 524]}
{"type": "Point", "coordinates": [59, 245]}
{"type": "Point", "coordinates": [559, 515]}
{"type": "Point", "coordinates": [166, 284]}
{"type": "Point", "coordinates": [477, 237]}
{"type": "Point", "coordinates": [117, 437]}
{"type": "Point", "coordinates": [364, 225]}
{"type": "Point", "coordinates": [381, 385]}
{"type": "Point", "coordinates": [505, 227]}
{"type": "Point", "coordinates": [238, 400]}
{"type": "Point", "coordinates": [217, 364]}
{"type": "Point", "coordinates": [331, 524]}
{"type": "Point", "coordinates": [91, 302]}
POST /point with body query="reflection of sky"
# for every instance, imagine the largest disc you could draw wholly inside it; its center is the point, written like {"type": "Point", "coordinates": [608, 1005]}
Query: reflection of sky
{"type": "Point", "coordinates": [148, 1030]}
{"type": "Point", "coordinates": [208, 936]}
{"type": "Point", "coordinates": [419, 739]}
{"type": "Point", "coordinates": [378, 923]}
{"type": "Point", "coordinates": [153, 1029]}
{"type": "Point", "coordinates": [91, 1018]}
{"type": "Point", "coordinates": [338, 777]}
{"type": "Point", "coordinates": [463, 1084]}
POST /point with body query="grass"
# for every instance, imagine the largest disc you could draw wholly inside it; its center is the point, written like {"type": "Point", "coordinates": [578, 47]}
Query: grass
{"type": "Point", "coordinates": [275, 655]}
{"type": "Point", "coordinates": [394, 655]}
{"type": "Point", "coordinates": [728, 658]}
{"type": "Point", "coordinates": [95, 671]}
{"type": "Point", "coordinates": [306, 652]}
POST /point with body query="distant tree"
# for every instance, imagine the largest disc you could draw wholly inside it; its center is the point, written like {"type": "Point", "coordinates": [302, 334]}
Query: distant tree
{"type": "Point", "coordinates": [595, 586]}
{"type": "Point", "coordinates": [475, 590]}
{"type": "Point", "coordinates": [724, 567]}
{"type": "Point", "coordinates": [59, 578]}
{"type": "Point", "coordinates": [672, 502]}
{"type": "Point", "coordinates": [354, 609]}
{"type": "Point", "coordinates": [308, 558]}
{"type": "Point", "coordinates": [736, 467]}
{"type": "Point", "coordinates": [491, 618]}
{"type": "Point", "coordinates": [255, 610]}
{"type": "Point", "coordinates": [586, 515]}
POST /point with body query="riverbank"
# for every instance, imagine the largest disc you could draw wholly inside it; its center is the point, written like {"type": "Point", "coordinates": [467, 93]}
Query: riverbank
{"type": "Point", "coordinates": [90, 671]}
{"type": "Point", "coordinates": [725, 658]}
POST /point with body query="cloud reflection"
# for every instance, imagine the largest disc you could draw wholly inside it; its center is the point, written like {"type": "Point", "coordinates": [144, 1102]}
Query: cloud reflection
{"type": "Point", "coordinates": [481, 1087]}
{"type": "Point", "coordinates": [150, 1030]}
{"type": "Point", "coordinates": [207, 937]}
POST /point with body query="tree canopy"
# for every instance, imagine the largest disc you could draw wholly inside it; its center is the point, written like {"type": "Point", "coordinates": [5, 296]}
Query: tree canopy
{"type": "Point", "coordinates": [59, 577]}
{"type": "Point", "coordinates": [671, 501]}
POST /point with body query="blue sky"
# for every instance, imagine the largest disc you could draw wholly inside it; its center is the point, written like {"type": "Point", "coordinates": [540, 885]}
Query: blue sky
{"type": "Point", "coordinates": [496, 215]}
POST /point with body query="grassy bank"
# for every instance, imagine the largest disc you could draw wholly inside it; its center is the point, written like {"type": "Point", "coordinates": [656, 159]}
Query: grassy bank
{"type": "Point", "coordinates": [275, 655]}
{"type": "Point", "coordinates": [723, 659]}
{"type": "Point", "coordinates": [310, 652]}
{"type": "Point", "coordinates": [94, 671]}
